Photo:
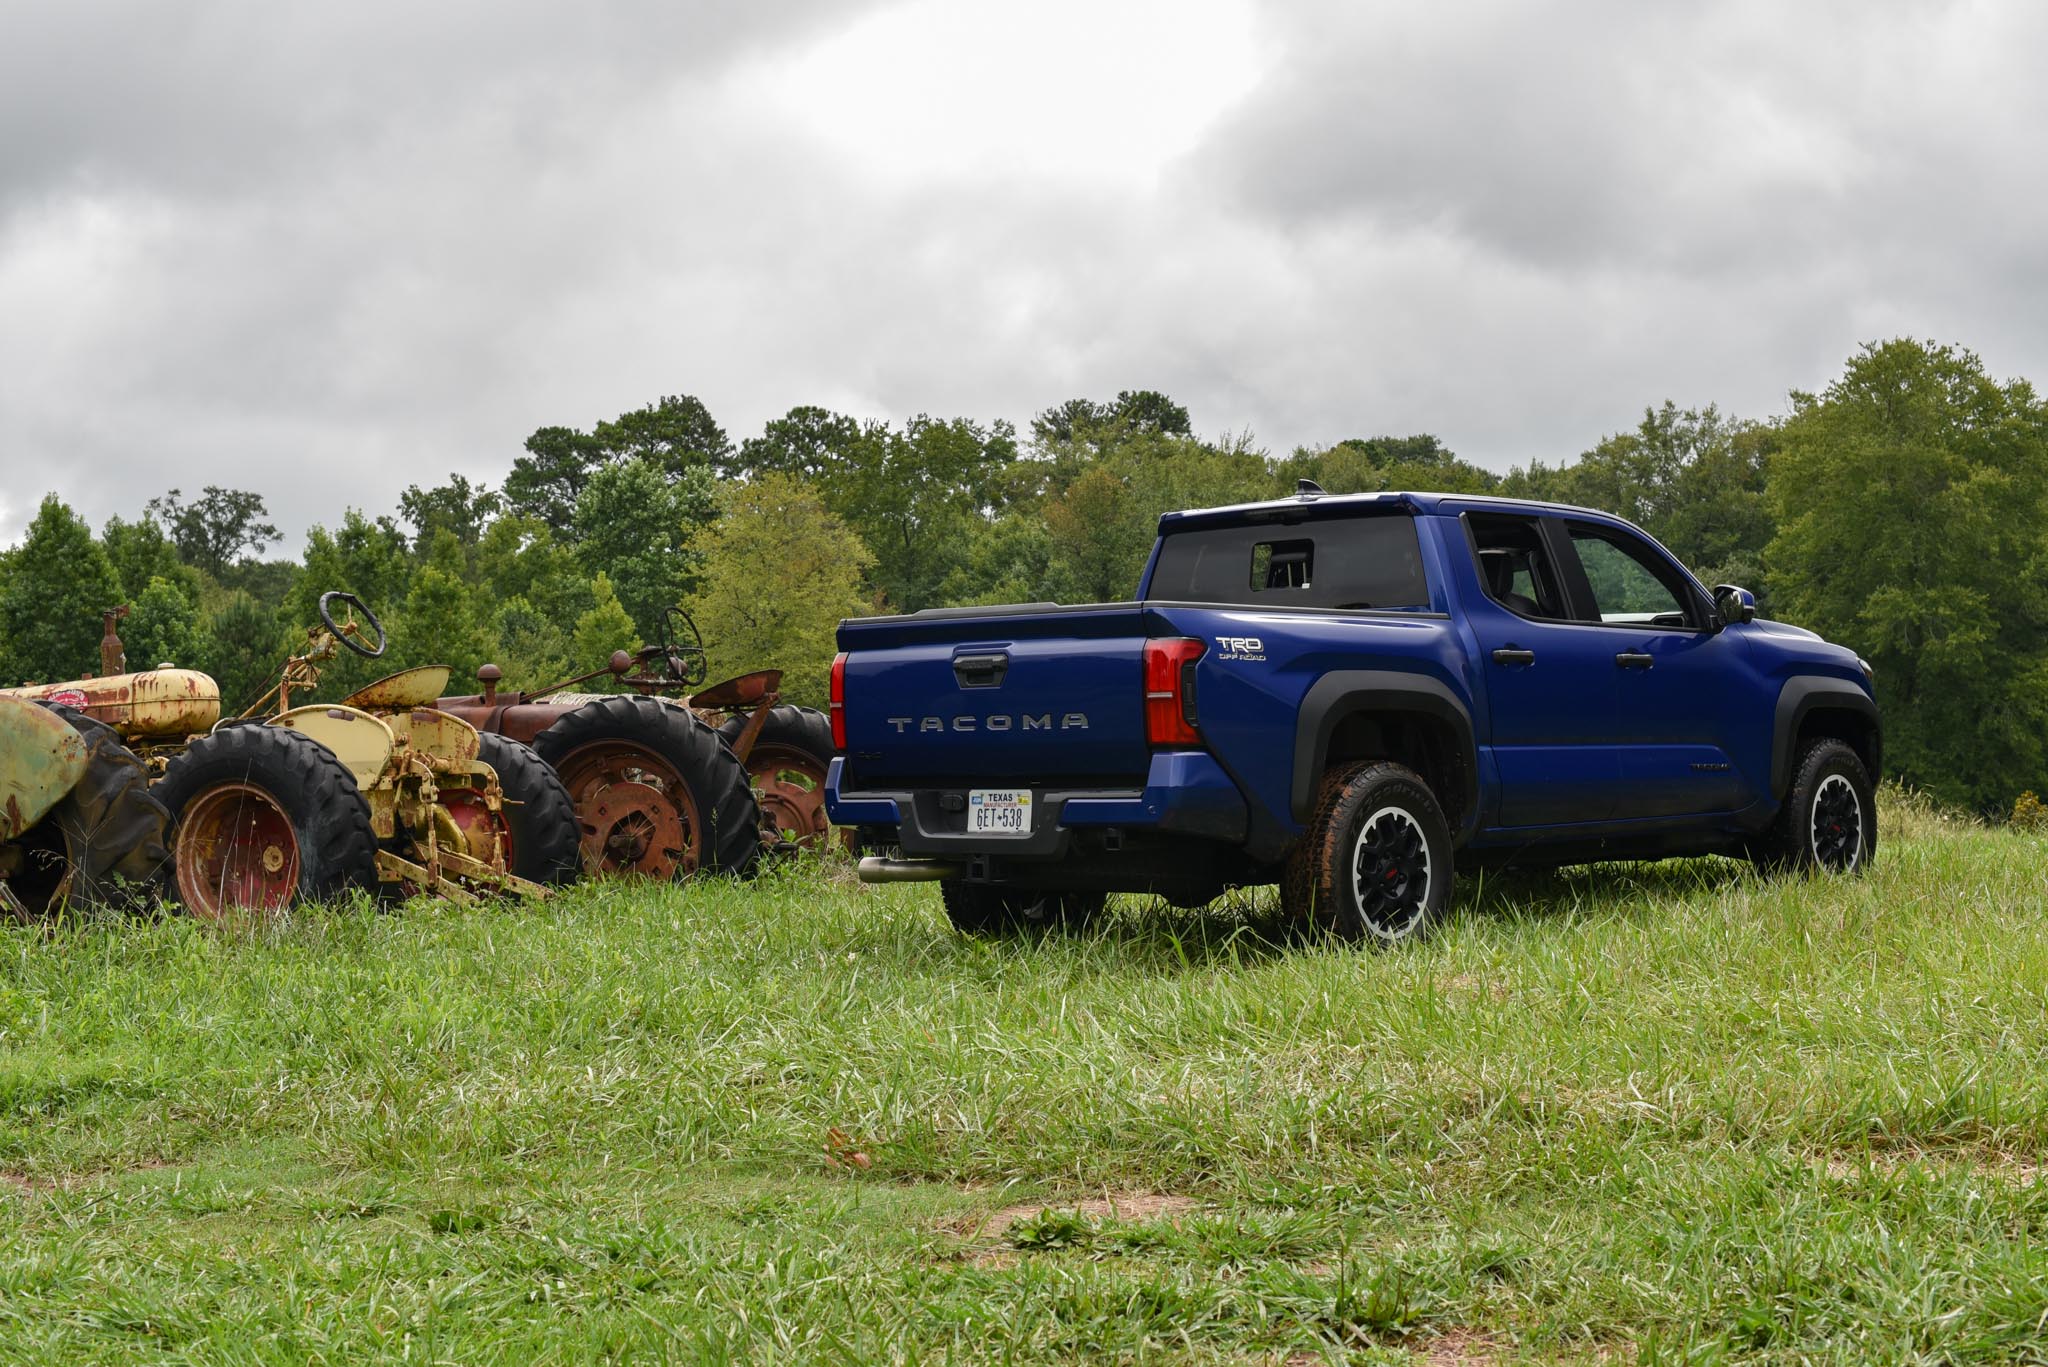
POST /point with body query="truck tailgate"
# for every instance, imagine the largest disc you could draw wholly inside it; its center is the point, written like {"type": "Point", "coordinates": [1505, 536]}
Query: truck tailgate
{"type": "Point", "coordinates": [1030, 697]}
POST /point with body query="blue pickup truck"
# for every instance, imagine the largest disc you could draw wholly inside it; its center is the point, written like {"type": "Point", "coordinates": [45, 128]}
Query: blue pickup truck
{"type": "Point", "coordinates": [1350, 696]}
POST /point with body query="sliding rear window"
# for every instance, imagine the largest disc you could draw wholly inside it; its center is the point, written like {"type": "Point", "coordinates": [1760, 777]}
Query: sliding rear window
{"type": "Point", "coordinates": [1359, 562]}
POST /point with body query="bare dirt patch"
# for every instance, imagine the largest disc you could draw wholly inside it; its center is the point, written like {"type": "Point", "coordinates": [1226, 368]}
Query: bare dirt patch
{"type": "Point", "coordinates": [1458, 1348]}
{"type": "Point", "coordinates": [2002, 1167]}
{"type": "Point", "coordinates": [1131, 1207]}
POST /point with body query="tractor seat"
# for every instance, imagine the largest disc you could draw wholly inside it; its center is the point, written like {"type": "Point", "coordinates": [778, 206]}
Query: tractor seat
{"type": "Point", "coordinates": [421, 687]}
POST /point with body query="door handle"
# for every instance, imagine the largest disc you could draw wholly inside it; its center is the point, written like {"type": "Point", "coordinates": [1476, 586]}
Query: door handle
{"type": "Point", "coordinates": [1635, 659]}
{"type": "Point", "coordinates": [1511, 656]}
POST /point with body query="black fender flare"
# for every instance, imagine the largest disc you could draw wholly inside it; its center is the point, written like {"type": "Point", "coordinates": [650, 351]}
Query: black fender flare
{"type": "Point", "coordinates": [1800, 697]}
{"type": "Point", "coordinates": [1345, 693]}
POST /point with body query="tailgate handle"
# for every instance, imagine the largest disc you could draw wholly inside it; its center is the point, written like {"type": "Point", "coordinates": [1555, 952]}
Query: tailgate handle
{"type": "Point", "coordinates": [981, 671]}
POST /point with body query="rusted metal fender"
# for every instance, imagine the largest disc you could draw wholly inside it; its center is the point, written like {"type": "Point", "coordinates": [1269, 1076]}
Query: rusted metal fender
{"type": "Point", "coordinates": [157, 703]}
{"type": "Point", "coordinates": [743, 691]}
{"type": "Point", "coordinates": [41, 759]}
{"type": "Point", "coordinates": [520, 721]}
{"type": "Point", "coordinates": [362, 741]}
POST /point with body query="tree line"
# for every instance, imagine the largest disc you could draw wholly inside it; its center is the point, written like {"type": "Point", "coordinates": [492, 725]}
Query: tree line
{"type": "Point", "coordinates": [1902, 511]}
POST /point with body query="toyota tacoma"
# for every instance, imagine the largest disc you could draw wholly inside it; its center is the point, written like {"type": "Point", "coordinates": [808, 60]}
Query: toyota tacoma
{"type": "Point", "coordinates": [1351, 696]}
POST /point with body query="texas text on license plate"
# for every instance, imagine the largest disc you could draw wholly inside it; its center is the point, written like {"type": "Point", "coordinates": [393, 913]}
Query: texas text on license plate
{"type": "Point", "coordinates": [998, 811]}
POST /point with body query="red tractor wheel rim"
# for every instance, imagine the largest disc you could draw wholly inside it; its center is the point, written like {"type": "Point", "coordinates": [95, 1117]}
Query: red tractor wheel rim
{"type": "Point", "coordinates": [790, 788]}
{"type": "Point", "coordinates": [235, 849]}
{"type": "Point", "coordinates": [636, 813]}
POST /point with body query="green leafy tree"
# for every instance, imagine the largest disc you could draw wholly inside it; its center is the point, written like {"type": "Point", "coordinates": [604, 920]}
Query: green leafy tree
{"type": "Point", "coordinates": [217, 529]}
{"type": "Point", "coordinates": [1132, 412]}
{"type": "Point", "coordinates": [676, 436]}
{"type": "Point", "coordinates": [605, 627]}
{"type": "Point", "coordinates": [1095, 525]}
{"type": "Point", "coordinates": [780, 571]}
{"type": "Point", "coordinates": [1360, 465]}
{"type": "Point", "coordinates": [139, 552]}
{"type": "Point", "coordinates": [458, 506]}
{"type": "Point", "coordinates": [164, 626]}
{"type": "Point", "coordinates": [916, 497]}
{"type": "Point", "coordinates": [519, 557]}
{"type": "Point", "coordinates": [268, 582]}
{"type": "Point", "coordinates": [1912, 507]}
{"type": "Point", "coordinates": [806, 443]}
{"type": "Point", "coordinates": [546, 482]}
{"type": "Point", "coordinates": [535, 648]}
{"type": "Point", "coordinates": [58, 583]}
{"type": "Point", "coordinates": [241, 646]}
{"type": "Point", "coordinates": [1009, 560]}
{"type": "Point", "coordinates": [442, 620]}
{"type": "Point", "coordinates": [636, 527]}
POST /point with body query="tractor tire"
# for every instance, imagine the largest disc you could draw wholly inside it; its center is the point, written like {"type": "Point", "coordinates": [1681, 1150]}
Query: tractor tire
{"type": "Point", "coordinates": [544, 842]}
{"type": "Point", "coordinates": [1375, 862]}
{"type": "Point", "coordinates": [1828, 823]}
{"type": "Point", "coordinates": [106, 844]}
{"type": "Point", "coordinates": [657, 793]}
{"type": "Point", "coordinates": [985, 910]}
{"type": "Point", "coordinates": [265, 817]}
{"type": "Point", "coordinates": [787, 766]}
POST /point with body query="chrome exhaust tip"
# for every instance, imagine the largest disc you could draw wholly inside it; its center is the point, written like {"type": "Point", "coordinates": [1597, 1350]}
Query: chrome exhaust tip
{"type": "Point", "coordinates": [875, 869]}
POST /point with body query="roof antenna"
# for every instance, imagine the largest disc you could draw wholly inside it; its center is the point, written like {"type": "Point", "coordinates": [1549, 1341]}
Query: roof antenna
{"type": "Point", "coordinates": [1306, 488]}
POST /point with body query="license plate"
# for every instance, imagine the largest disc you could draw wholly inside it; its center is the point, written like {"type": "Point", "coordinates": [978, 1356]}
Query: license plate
{"type": "Point", "coordinates": [998, 811]}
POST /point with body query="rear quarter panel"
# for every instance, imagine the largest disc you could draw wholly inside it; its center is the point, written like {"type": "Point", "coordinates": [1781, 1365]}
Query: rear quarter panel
{"type": "Point", "coordinates": [1260, 665]}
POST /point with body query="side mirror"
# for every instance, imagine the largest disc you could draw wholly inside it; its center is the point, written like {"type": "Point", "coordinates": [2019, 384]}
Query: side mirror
{"type": "Point", "coordinates": [1734, 604]}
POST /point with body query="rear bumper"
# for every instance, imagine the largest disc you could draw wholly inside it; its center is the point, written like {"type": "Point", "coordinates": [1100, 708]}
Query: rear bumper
{"type": "Point", "coordinates": [1186, 793]}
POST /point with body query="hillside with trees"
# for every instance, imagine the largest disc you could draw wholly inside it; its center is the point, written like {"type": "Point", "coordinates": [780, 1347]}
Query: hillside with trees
{"type": "Point", "coordinates": [1902, 511]}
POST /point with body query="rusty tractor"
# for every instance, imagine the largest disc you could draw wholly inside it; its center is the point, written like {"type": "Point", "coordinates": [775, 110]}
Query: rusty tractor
{"type": "Point", "coordinates": [380, 790]}
{"type": "Point", "coordinates": [667, 785]}
{"type": "Point", "coordinates": [78, 824]}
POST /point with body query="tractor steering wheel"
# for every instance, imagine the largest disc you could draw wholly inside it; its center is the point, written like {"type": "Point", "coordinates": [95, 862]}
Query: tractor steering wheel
{"type": "Point", "coordinates": [347, 632]}
{"type": "Point", "coordinates": [685, 664]}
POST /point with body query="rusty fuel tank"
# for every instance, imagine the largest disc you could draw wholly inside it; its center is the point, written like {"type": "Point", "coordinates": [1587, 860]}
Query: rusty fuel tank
{"type": "Point", "coordinates": [158, 703]}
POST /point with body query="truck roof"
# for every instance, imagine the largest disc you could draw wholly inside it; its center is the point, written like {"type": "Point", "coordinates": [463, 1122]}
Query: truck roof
{"type": "Point", "coordinates": [1411, 501]}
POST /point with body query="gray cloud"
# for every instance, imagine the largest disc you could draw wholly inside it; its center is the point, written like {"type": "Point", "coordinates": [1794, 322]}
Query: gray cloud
{"type": "Point", "coordinates": [328, 253]}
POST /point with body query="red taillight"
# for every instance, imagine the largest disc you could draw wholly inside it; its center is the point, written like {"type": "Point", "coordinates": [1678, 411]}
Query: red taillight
{"type": "Point", "coordinates": [838, 708]}
{"type": "Point", "coordinates": [1170, 691]}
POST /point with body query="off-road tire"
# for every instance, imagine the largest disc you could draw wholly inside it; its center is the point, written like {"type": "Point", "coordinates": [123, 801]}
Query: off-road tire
{"type": "Point", "coordinates": [804, 731]}
{"type": "Point", "coordinates": [545, 836]}
{"type": "Point", "coordinates": [329, 817]}
{"type": "Point", "coordinates": [110, 830]}
{"type": "Point", "coordinates": [716, 778]}
{"type": "Point", "coordinates": [800, 728]}
{"type": "Point", "coordinates": [1375, 862]}
{"type": "Point", "coordinates": [985, 910]}
{"type": "Point", "coordinates": [1828, 823]}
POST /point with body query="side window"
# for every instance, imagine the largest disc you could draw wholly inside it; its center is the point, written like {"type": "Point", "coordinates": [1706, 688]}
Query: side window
{"type": "Point", "coordinates": [1629, 583]}
{"type": "Point", "coordinates": [1514, 564]}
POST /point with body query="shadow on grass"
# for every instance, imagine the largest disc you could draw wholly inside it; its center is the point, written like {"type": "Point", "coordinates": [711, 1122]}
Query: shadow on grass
{"type": "Point", "coordinates": [1248, 926]}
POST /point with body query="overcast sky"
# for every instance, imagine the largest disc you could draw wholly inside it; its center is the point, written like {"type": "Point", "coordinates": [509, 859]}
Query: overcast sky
{"type": "Point", "coordinates": [324, 252]}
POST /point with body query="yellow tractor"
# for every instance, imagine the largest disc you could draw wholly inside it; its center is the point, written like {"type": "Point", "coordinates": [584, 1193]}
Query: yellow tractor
{"type": "Point", "coordinates": [378, 790]}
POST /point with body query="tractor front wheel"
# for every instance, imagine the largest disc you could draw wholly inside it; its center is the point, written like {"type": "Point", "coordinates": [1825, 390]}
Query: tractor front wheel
{"type": "Point", "coordinates": [265, 817]}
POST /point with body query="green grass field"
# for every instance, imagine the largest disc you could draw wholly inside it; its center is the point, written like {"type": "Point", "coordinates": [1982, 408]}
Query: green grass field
{"type": "Point", "coordinates": [1633, 1113]}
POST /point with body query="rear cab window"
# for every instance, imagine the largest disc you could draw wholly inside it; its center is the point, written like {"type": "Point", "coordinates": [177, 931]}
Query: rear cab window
{"type": "Point", "coordinates": [1362, 562]}
{"type": "Point", "coordinates": [1516, 566]}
